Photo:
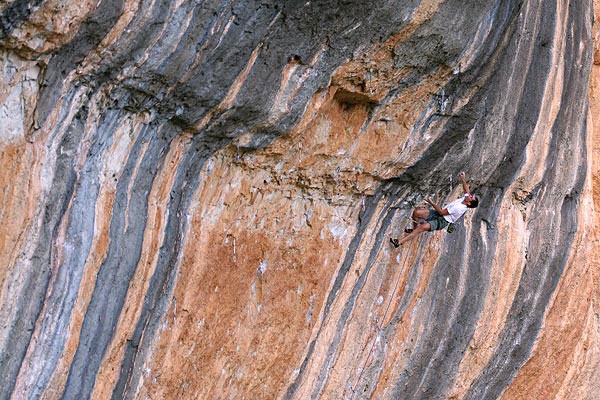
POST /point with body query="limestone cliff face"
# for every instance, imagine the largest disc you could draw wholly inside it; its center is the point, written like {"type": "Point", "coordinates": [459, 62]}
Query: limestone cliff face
{"type": "Point", "coordinates": [197, 198]}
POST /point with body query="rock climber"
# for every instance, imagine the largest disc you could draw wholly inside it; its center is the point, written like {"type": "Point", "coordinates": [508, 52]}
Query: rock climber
{"type": "Point", "coordinates": [436, 218]}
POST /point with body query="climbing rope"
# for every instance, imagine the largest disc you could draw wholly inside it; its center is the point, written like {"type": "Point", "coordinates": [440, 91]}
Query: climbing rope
{"type": "Point", "coordinates": [379, 329]}
{"type": "Point", "coordinates": [354, 387]}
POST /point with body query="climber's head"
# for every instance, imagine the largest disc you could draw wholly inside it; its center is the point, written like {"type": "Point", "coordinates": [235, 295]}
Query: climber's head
{"type": "Point", "coordinates": [471, 201]}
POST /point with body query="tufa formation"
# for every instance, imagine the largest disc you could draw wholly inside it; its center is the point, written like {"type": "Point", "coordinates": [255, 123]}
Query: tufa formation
{"type": "Point", "coordinates": [197, 199]}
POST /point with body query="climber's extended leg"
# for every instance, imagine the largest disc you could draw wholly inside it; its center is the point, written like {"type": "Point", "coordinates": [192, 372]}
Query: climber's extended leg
{"type": "Point", "coordinates": [420, 228]}
{"type": "Point", "coordinates": [424, 227]}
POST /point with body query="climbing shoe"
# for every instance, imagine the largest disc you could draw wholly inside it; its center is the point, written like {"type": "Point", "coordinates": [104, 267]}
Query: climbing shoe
{"type": "Point", "coordinates": [395, 242]}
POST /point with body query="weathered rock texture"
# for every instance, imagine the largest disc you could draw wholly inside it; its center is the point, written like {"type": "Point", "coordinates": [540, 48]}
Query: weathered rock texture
{"type": "Point", "coordinates": [197, 198]}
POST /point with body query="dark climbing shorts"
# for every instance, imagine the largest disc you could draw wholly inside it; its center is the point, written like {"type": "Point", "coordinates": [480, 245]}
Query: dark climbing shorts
{"type": "Point", "coordinates": [436, 221]}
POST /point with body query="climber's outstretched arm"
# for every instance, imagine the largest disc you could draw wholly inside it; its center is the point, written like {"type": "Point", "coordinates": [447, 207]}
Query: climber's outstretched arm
{"type": "Point", "coordinates": [465, 185]}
